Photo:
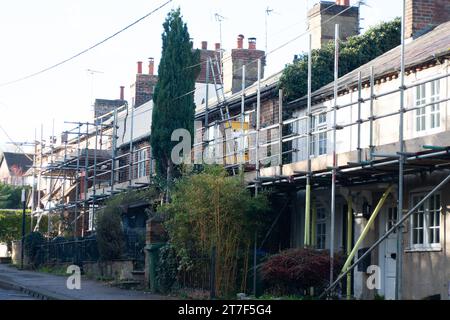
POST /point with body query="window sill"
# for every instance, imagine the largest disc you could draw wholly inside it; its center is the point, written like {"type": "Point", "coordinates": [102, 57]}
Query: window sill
{"type": "Point", "coordinates": [424, 249]}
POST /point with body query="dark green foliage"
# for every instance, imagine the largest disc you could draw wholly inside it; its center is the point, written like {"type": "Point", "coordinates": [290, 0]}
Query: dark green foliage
{"type": "Point", "coordinates": [10, 197]}
{"type": "Point", "coordinates": [356, 51]}
{"type": "Point", "coordinates": [167, 269]}
{"type": "Point", "coordinates": [32, 242]}
{"type": "Point", "coordinates": [173, 108]}
{"type": "Point", "coordinates": [110, 233]}
{"type": "Point", "coordinates": [294, 270]}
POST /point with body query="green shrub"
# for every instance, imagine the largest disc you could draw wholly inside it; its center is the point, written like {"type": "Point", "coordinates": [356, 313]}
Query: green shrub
{"type": "Point", "coordinates": [110, 236]}
{"type": "Point", "coordinates": [110, 233]}
{"type": "Point", "coordinates": [32, 242]}
{"type": "Point", "coordinates": [167, 269]}
{"type": "Point", "coordinates": [211, 209]}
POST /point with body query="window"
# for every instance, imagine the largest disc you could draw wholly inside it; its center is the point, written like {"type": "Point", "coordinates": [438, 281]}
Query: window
{"type": "Point", "coordinates": [321, 228]}
{"type": "Point", "coordinates": [425, 223]}
{"type": "Point", "coordinates": [435, 115]}
{"type": "Point", "coordinates": [427, 117]}
{"type": "Point", "coordinates": [141, 163]}
{"type": "Point", "coordinates": [391, 218]}
{"type": "Point", "coordinates": [318, 142]}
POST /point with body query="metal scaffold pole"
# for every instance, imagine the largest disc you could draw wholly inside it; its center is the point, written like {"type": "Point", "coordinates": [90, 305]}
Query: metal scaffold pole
{"type": "Point", "coordinates": [130, 168]}
{"type": "Point", "coordinates": [39, 183]}
{"type": "Point", "coordinates": [333, 175]}
{"type": "Point", "coordinates": [242, 120]}
{"type": "Point", "coordinates": [372, 93]}
{"type": "Point", "coordinates": [33, 187]}
{"type": "Point", "coordinates": [307, 240]}
{"type": "Point", "coordinates": [86, 174]}
{"type": "Point", "coordinates": [399, 260]}
{"type": "Point", "coordinates": [77, 187]}
{"type": "Point", "coordinates": [50, 197]}
{"type": "Point", "coordinates": [358, 148]}
{"type": "Point", "coordinates": [258, 123]}
{"type": "Point", "coordinates": [280, 130]}
{"type": "Point", "coordinates": [207, 97]}
{"type": "Point", "coordinates": [113, 147]}
{"type": "Point", "coordinates": [94, 177]}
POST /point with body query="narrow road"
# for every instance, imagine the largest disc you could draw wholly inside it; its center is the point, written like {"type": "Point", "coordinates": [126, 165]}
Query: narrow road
{"type": "Point", "coordinates": [6, 294]}
{"type": "Point", "coordinates": [55, 287]}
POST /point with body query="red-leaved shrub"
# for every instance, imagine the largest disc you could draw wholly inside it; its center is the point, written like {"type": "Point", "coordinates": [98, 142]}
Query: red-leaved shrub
{"type": "Point", "coordinates": [294, 270]}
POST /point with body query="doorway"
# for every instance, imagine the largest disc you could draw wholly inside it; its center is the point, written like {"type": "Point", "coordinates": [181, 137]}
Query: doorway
{"type": "Point", "coordinates": [388, 253]}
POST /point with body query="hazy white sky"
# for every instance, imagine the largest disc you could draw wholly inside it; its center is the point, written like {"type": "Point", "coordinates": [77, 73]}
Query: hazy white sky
{"type": "Point", "coordinates": [37, 34]}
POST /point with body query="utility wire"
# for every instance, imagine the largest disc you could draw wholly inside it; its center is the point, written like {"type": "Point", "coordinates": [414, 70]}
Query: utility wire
{"type": "Point", "coordinates": [15, 143]}
{"type": "Point", "coordinates": [86, 50]}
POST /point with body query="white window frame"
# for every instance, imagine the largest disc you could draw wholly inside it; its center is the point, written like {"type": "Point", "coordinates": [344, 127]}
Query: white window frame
{"type": "Point", "coordinates": [319, 137]}
{"type": "Point", "coordinates": [141, 162]}
{"type": "Point", "coordinates": [423, 215]}
{"type": "Point", "coordinates": [427, 118]}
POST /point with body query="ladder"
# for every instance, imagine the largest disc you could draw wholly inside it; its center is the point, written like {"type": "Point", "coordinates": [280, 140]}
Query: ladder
{"type": "Point", "coordinates": [222, 102]}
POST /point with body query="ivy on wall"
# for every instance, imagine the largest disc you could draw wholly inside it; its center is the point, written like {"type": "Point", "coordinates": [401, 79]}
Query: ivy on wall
{"type": "Point", "coordinates": [354, 52]}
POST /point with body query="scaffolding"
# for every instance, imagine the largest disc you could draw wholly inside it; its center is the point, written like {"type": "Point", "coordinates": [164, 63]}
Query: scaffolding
{"type": "Point", "coordinates": [376, 167]}
{"type": "Point", "coordinates": [88, 167]}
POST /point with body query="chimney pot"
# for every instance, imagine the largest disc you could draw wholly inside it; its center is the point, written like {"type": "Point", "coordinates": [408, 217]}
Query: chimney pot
{"type": "Point", "coordinates": [151, 66]}
{"type": "Point", "coordinates": [217, 46]}
{"type": "Point", "coordinates": [122, 93]}
{"type": "Point", "coordinates": [204, 45]}
{"type": "Point", "coordinates": [345, 3]}
{"type": "Point", "coordinates": [139, 69]}
{"type": "Point", "coordinates": [252, 43]}
{"type": "Point", "coordinates": [240, 41]}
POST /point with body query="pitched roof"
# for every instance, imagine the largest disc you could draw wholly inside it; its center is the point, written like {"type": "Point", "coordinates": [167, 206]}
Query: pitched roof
{"type": "Point", "coordinates": [425, 48]}
{"type": "Point", "coordinates": [23, 161]}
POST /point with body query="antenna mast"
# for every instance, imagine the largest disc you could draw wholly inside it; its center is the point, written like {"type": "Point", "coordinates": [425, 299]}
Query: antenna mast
{"type": "Point", "coordinates": [268, 12]}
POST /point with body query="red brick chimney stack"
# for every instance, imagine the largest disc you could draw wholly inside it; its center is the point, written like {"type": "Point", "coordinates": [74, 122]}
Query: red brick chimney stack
{"type": "Point", "coordinates": [252, 43]}
{"type": "Point", "coordinates": [240, 41]}
{"type": "Point", "coordinates": [217, 46]}
{"type": "Point", "coordinates": [122, 93]}
{"type": "Point", "coordinates": [345, 3]}
{"type": "Point", "coordinates": [204, 45]}
{"type": "Point", "coordinates": [151, 66]}
{"type": "Point", "coordinates": [423, 15]}
{"type": "Point", "coordinates": [139, 69]}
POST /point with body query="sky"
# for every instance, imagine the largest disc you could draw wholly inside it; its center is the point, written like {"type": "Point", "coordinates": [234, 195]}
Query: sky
{"type": "Point", "coordinates": [37, 34]}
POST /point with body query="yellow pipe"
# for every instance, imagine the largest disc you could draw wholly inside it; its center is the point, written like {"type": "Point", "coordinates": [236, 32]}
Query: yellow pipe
{"type": "Point", "coordinates": [307, 240]}
{"type": "Point", "coordinates": [349, 243]}
{"type": "Point", "coordinates": [366, 228]}
{"type": "Point", "coordinates": [313, 225]}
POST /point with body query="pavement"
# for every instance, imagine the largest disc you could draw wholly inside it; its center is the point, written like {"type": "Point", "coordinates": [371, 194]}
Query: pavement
{"type": "Point", "coordinates": [46, 286]}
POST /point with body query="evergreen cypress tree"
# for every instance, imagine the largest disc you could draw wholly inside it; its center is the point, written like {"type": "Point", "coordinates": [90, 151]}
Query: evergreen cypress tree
{"type": "Point", "coordinates": [173, 98]}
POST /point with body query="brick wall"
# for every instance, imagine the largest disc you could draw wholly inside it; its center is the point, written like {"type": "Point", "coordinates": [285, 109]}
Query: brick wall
{"type": "Point", "coordinates": [103, 106]}
{"type": "Point", "coordinates": [423, 14]}
{"type": "Point", "coordinates": [323, 17]}
{"type": "Point", "coordinates": [143, 88]}
{"type": "Point", "coordinates": [204, 56]}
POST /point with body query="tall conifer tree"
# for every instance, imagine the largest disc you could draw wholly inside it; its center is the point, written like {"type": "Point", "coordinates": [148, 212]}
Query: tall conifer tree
{"type": "Point", "coordinates": [173, 98]}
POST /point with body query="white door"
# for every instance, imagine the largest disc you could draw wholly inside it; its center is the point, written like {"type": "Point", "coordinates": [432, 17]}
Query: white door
{"type": "Point", "coordinates": [390, 254]}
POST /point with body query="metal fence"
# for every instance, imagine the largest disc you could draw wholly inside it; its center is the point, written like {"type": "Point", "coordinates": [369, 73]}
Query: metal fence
{"type": "Point", "coordinates": [64, 251]}
{"type": "Point", "coordinates": [198, 276]}
{"type": "Point", "coordinates": [86, 250]}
